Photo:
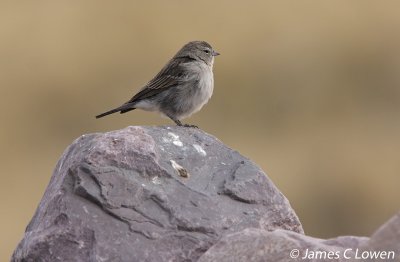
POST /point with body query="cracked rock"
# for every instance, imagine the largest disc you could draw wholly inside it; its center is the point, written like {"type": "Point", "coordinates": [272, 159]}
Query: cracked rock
{"type": "Point", "coordinates": [259, 245]}
{"type": "Point", "coordinates": [117, 196]}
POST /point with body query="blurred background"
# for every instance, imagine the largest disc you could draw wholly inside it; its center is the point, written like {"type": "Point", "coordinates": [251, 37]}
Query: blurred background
{"type": "Point", "coordinates": [309, 90]}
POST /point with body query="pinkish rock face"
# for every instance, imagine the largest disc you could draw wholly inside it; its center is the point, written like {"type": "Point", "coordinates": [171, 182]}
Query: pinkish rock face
{"type": "Point", "coordinates": [120, 196]}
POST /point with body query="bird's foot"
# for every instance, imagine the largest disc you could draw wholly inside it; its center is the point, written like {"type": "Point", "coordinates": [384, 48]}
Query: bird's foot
{"type": "Point", "coordinates": [187, 125]}
{"type": "Point", "coordinates": [179, 123]}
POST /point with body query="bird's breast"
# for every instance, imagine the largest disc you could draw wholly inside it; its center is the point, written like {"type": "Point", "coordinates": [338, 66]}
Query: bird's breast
{"type": "Point", "coordinates": [206, 86]}
{"type": "Point", "coordinates": [203, 89]}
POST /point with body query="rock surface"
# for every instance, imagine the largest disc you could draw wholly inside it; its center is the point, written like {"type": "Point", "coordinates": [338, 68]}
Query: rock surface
{"type": "Point", "coordinates": [176, 194]}
{"type": "Point", "coordinates": [152, 194]}
{"type": "Point", "coordinates": [287, 246]}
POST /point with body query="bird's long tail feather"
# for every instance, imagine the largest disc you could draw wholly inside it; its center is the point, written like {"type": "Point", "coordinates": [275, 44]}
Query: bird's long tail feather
{"type": "Point", "coordinates": [122, 109]}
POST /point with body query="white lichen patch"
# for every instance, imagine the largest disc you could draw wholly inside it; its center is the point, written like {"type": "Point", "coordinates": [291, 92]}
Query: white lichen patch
{"type": "Point", "coordinates": [156, 180]}
{"type": "Point", "coordinates": [173, 138]}
{"type": "Point", "coordinates": [81, 244]}
{"type": "Point", "coordinates": [181, 170]}
{"type": "Point", "coordinates": [199, 150]}
{"type": "Point", "coordinates": [177, 143]}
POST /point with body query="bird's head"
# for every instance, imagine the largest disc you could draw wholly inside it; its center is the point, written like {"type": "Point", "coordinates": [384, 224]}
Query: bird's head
{"type": "Point", "coordinates": [198, 50]}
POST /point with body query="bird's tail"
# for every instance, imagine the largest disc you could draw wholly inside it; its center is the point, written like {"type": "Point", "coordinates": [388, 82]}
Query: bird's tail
{"type": "Point", "coordinates": [122, 109]}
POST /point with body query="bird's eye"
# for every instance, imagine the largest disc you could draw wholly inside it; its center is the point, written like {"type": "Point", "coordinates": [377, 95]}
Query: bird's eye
{"type": "Point", "coordinates": [207, 51]}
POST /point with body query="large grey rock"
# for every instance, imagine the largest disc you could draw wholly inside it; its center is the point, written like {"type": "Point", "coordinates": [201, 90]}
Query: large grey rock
{"type": "Point", "coordinates": [287, 246]}
{"type": "Point", "coordinates": [150, 194]}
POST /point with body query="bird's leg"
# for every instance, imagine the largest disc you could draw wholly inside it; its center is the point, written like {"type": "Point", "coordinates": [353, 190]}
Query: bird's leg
{"type": "Point", "coordinates": [179, 123]}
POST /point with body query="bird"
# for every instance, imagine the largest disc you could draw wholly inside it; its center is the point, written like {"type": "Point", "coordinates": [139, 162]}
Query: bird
{"type": "Point", "coordinates": [182, 87]}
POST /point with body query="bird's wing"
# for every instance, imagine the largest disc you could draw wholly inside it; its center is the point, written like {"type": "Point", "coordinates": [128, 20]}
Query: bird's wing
{"type": "Point", "coordinates": [174, 73]}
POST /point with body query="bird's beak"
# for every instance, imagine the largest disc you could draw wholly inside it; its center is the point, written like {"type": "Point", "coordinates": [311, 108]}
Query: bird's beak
{"type": "Point", "coordinates": [215, 53]}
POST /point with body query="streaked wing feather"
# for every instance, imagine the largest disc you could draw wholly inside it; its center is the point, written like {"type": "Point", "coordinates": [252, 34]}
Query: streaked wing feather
{"type": "Point", "coordinates": [171, 75]}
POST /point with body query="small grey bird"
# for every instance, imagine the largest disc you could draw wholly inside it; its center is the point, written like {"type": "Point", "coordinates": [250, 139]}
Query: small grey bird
{"type": "Point", "coordinates": [182, 87]}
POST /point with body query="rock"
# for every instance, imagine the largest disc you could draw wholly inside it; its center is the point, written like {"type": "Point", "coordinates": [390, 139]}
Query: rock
{"type": "Point", "coordinates": [280, 245]}
{"type": "Point", "coordinates": [253, 244]}
{"type": "Point", "coordinates": [386, 238]}
{"type": "Point", "coordinates": [152, 194]}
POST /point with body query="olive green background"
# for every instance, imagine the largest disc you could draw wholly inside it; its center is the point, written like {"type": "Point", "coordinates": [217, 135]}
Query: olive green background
{"type": "Point", "coordinates": [309, 90]}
